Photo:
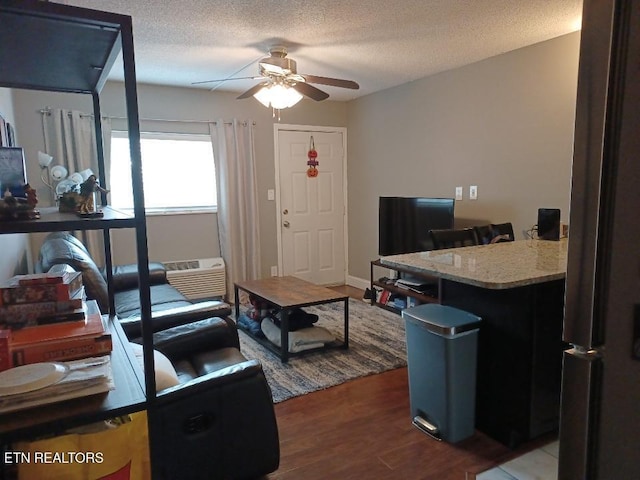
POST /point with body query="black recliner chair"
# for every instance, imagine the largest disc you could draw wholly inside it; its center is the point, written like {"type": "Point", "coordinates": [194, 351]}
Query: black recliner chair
{"type": "Point", "coordinates": [168, 305]}
{"type": "Point", "coordinates": [218, 422]}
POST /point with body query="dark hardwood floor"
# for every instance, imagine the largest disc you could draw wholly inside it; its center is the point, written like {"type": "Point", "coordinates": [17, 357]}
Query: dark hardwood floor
{"type": "Point", "coordinates": [362, 430]}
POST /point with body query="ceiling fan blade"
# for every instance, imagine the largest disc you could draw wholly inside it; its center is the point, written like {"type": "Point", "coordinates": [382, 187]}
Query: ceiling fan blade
{"type": "Point", "coordinates": [310, 91]}
{"type": "Point", "coordinates": [225, 80]}
{"type": "Point", "coordinates": [251, 91]}
{"type": "Point", "coordinates": [335, 82]}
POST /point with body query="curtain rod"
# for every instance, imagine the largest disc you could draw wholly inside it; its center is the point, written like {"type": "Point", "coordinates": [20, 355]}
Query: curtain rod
{"type": "Point", "coordinates": [47, 111]}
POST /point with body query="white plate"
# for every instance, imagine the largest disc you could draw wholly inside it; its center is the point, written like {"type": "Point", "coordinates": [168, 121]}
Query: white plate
{"type": "Point", "coordinates": [27, 378]}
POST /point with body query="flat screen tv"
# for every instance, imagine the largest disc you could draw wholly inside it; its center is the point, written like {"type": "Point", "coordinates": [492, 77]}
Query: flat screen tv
{"type": "Point", "coordinates": [404, 223]}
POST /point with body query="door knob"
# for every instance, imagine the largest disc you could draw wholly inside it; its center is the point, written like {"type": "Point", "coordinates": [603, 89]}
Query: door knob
{"type": "Point", "coordinates": [285, 211]}
{"type": "Point", "coordinates": [286, 224]}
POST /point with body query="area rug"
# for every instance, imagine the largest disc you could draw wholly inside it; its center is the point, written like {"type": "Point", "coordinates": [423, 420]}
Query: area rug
{"type": "Point", "coordinates": [376, 344]}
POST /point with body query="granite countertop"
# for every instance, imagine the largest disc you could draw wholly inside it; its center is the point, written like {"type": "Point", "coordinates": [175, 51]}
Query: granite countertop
{"type": "Point", "coordinates": [497, 266]}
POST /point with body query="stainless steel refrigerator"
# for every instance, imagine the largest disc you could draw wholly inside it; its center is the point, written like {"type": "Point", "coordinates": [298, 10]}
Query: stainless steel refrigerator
{"type": "Point", "coordinates": [600, 412]}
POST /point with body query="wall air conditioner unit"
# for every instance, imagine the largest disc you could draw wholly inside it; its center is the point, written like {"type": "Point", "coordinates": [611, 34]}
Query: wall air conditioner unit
{"type": "Point", "coordinates": [198, 279]}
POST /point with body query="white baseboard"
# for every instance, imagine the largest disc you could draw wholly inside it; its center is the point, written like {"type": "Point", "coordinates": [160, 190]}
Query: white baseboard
{"type": "Point", "coordinates": [358, 282]}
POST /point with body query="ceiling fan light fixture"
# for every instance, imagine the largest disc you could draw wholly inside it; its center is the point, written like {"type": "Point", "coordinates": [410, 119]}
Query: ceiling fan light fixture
{"type": "Point", "coordinates": [278, 96]}
{"type": "Point", "coordinates": [263, 96]}
{"type": "Point", "coordinates": [284, 87]}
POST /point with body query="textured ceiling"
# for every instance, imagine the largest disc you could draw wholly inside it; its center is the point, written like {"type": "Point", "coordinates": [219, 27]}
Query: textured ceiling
{"type": "Point", "coordinates": [377, 43]}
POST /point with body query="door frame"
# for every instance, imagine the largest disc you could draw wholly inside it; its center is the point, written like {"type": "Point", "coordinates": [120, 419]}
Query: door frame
{"type": "Point", "coordinates": [277, 128]}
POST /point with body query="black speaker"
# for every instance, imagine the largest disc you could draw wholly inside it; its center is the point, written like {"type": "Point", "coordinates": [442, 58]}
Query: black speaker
{"type": "Point", "coordinates": [549, 223]}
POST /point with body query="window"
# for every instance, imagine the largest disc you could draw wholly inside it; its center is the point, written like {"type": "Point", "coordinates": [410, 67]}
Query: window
{"type": "Point", "coordinates": [177, 170]}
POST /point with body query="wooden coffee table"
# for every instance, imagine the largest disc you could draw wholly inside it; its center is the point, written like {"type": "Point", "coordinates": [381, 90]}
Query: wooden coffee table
{"type": "Point", "coordinates": [289, 293]}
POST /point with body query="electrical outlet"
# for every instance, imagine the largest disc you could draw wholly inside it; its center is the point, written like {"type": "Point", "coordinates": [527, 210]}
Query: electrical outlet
{"type": "Point", "coordinates": [473, 192]}
{"type": "Point", "coordinates": [274, 270]}
{"type": "Point", "coordinates": [458, 193]}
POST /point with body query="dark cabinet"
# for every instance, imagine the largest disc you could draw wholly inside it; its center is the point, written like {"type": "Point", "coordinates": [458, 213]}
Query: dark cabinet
{"type": "Point", "coordinates": [519, 356]}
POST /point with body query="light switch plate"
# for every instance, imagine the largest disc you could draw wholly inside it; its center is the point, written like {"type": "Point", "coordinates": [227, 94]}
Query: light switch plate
{"type": "Point", "coordinates": [271, 194]}
{"type": "Point", "coordinates": [458, 193]}
{"type": "Point", "coordinates": [473, 192]}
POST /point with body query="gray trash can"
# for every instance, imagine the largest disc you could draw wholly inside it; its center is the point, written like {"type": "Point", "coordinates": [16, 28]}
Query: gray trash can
{"type": "Point", "coordinates": [442, 345]}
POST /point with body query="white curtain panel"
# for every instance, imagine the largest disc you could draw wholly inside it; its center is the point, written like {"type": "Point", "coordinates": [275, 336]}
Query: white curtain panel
{"type": "Point", "coordinates": [238, 221]}
{"type": "Point", "coordinates": [69, 136]}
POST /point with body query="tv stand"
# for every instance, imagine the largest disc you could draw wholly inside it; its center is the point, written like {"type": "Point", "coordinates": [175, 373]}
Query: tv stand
{"type": "Point", "coordinates": [431, 295]}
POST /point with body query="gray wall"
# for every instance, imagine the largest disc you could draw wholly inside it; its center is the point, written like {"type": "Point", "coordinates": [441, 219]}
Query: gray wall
{"type": "Point", "coordinates": [15, 252]}
{"type": "Point", "coordinates": [179, 237]}
{"type": "Point", "coordinates": [504, 124]}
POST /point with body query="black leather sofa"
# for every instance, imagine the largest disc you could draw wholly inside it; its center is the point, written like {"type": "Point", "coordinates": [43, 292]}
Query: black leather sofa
{"type": "Point", "coordinates": [218, 422]}
{"type": "Point", "coordinates": [169, 307]}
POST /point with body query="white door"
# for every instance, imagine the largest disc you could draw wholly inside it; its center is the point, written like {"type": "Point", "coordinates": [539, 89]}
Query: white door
{"type": "Point", "coordinates": [311, 210]}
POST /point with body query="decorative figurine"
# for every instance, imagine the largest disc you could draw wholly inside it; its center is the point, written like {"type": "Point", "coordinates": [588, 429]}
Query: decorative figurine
{"type": "Point", "coordinates": [21, 207]}
{"type": "Point", "coordinates": [86, 202]}
{"type": "Point", "coordinates": [31, 195]}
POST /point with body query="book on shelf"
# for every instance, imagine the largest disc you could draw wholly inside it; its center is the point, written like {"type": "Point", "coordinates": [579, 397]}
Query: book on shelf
{"type": "Point", "coordinates": [53, 276]}
{"type": "Point", "coordinates": [399, 302]}
{"type": "Point", "coordinates": [59, 317]}
{"type": "Point", "coordinates": [5, 352]}
{"type": "Point", "coordinates": [40, 384]}
{"type": "Point", "coordinates": [30, 314]}
{"type": "Point", "coordinates": [62, 349]}
{"type": "Point", "coordinates": [11, 292]}
{"type": "Point", "coordinates": [92, 325]}
{"type": "Point", "coordinates": [384, 297]}
{"type": "Point", "coordinates": [62, 341]}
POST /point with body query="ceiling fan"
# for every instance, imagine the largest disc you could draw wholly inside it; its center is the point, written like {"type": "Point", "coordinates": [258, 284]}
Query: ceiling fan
{"type": "Point", "coordinates": [279, 75]}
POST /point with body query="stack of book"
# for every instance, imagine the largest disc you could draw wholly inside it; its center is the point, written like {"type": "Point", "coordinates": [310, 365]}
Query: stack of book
{"type": "Point", "coordinates": [88, 337]}
{"type": "Point", "coordinates": [44, 318]}
{"type": "Point", "coordinates": [39, 299]}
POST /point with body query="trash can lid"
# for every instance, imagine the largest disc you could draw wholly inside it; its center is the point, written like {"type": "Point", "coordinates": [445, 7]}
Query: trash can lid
{"type": "Point", "coordinates": [443, 319]}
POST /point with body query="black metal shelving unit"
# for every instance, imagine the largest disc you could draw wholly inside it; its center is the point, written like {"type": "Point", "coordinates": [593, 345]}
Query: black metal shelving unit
{"type": "Point", "coordinates": [61, 48]}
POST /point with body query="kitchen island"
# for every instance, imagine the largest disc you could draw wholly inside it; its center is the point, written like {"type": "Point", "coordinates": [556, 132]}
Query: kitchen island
{"type": "Point", "coordinates": [517, 288]}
